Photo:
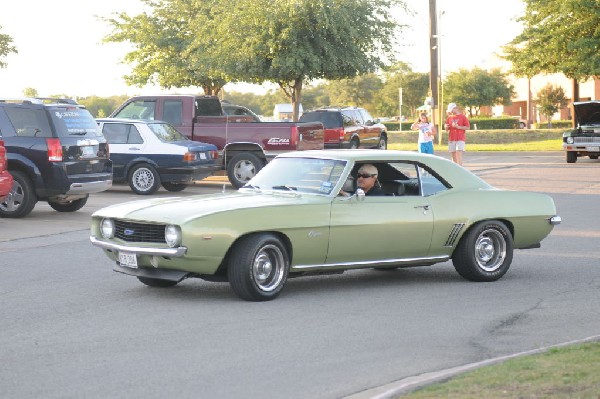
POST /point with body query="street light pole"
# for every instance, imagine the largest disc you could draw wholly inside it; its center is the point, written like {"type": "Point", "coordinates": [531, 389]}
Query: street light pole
{"type": "Point", "coordinates": [433, 59]}
{"type": "Point", "coordinates": [400, 108]}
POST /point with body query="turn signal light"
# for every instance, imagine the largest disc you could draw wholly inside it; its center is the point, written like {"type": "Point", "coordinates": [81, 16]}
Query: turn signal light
{"type": "Point", "coordinates": [190, 157]}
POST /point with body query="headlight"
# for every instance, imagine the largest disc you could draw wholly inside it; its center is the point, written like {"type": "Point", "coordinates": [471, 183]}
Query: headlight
{"type": "Point", "coordinates": [570, 140]}
{"type": "Point", "coordinates": [107, 227]}
{"type": "Point", "coordinates": [172, 235]}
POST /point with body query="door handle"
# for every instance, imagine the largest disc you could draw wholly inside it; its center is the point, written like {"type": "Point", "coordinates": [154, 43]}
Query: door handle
{"type": "Point", "coordinates": [425, 208]}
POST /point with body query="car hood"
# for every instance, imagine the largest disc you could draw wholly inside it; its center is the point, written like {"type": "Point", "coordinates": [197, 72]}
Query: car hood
{"type": "Point", "coordinates": [587, 113]}
{"type": "Point", "coordinates": [179, 210]}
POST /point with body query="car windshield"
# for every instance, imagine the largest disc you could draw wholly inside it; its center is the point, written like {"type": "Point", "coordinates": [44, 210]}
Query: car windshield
{"type": "Point", "coordinates": [299, 175]}
{"type": "Point", "coordinates": [166, 133]}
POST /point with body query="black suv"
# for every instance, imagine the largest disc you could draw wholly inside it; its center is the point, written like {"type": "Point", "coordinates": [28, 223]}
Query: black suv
{"type": "Point", "coordinates": [56, 153]}
{"type": "Point", "coordinates": [348, 127]}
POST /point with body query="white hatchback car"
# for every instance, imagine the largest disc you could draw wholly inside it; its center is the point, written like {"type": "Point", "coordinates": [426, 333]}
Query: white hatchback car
{"type": "Point", "coordinates": [148, 154]}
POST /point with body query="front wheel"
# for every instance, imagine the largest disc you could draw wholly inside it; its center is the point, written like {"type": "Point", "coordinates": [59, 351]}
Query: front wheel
{"type": "Point", "coordinates": [69, 206]}
{"type": "Point", "coordinates": [258, 267]}
{"type": "Point", "coordinates": [571, 157]}
{"type": "Point", "coordinates": [21, 199]}
{"type": "Point", "coordinates": [485, 252]}
{"type": "Point", "coordinates": [155, 282]}
{"type": "Point", "coordinates": [243, 167]}
{"type": "Point", "coordinates": [144, 179]}
{"type": "Point", "coordinates": [593, 156]}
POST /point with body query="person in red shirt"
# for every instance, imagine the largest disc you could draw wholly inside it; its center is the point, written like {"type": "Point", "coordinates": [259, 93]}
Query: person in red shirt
{"type": "Point", "coordinates": [456, 124]}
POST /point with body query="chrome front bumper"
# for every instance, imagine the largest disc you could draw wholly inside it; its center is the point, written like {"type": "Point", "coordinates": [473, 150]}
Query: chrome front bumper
{"type": "Point", "coordinates": [167, 252]}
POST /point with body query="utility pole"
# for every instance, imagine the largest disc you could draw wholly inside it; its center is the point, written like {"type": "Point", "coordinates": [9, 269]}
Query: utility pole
{"type": "Point", "coordinates": [434, 60]}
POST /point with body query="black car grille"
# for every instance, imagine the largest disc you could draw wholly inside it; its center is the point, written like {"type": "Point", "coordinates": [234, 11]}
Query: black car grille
{"type": "Point", "coordinates": [139, 232]}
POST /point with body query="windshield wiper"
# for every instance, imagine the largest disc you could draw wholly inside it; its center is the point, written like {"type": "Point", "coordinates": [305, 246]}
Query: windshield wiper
{"type": "Point", "coordinates": [285, 187]}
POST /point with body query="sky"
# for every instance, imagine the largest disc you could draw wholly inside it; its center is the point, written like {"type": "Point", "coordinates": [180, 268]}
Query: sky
{"type": "Point", "coordinates": [60, 49]}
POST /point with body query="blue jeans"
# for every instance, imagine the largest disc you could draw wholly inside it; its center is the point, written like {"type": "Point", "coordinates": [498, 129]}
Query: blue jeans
{"type": "Point", "coordinates": [426, 148]}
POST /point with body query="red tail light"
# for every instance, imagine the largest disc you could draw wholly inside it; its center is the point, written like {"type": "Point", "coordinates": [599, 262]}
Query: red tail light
{"type": "Point", "coordinates": [2, 156]}
{"type": "Point", "coordinates": [294, 138]}
{"type": "Point", "coordinates": [55, 153]}
{"type": "Point", "coordinates": [341, 132]}
{"type": "Point", "coordinates": [214, 154]}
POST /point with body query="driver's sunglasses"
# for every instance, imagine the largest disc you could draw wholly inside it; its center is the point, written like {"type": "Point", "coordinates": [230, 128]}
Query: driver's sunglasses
{"type": "Point", "coordinates": [365, 175]}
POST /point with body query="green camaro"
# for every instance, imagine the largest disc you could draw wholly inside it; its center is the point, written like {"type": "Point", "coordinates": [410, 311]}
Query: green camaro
{"type": "Point", "coordinates": [307, 212]}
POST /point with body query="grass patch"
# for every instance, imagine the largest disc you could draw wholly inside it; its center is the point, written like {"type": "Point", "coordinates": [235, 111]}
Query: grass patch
{"type": "Point", "coordinates": [488, 140]}
{"type": "Point", "coordinates": [568, 372]}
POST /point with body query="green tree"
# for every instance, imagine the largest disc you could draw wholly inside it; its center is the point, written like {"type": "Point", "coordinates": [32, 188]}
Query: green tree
{"type": "Point", "coordinates": [291, 43]}
{"type": "Point", "coordinates": [476, 88]}
{"type": "Point", "coordinates": [559, 36]}
{"type": "Point", "coordinates": [414, 86]}
{"type": "Point", "coordinates": [100, 107]}
{"type": "Point", "coordinates": [359, 91]}
{"type": "Point", "coordinates": [6, 47]}
{"type": "Point", "coordinates": [162, 39]}
{"type": "Point", "coordinates": [550, 100]}
{"type": "Point", "coordinates": [30, 92]}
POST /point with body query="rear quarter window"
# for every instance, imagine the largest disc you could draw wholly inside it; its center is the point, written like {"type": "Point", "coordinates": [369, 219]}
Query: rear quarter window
{"type": "Point", "coordinates": [330, 120]}
{"type": "Point", "coordinates": [29, 122]}
{"type": "Point", "coordinates": [74, 121]}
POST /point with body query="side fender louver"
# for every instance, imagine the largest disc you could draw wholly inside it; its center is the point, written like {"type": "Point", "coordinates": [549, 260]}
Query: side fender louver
{"type": "Point", "coordinates": [456, 229]}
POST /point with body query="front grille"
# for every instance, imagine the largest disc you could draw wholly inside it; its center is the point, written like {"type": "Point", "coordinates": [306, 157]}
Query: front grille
{"type": "Point", "coordinates": [139, 232]}
{"type": "Point", "coordinates": [577, 140]}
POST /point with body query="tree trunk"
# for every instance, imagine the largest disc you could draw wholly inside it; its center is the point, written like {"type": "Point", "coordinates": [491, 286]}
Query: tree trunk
{"type": "Point", "coordinates": [293, 91]}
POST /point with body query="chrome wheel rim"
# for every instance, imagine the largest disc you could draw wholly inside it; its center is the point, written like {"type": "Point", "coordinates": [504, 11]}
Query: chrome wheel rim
{"type": "Point", "coordinates": [244, 171]}
{"type": "Point", "coordinates": [268, 268]}
{"type": "Point", "coordinates": [490, 250]}
{"type": "Point", "coordinates": [14, 199]}
{"type": "Point", "coordinates": [143, 179]}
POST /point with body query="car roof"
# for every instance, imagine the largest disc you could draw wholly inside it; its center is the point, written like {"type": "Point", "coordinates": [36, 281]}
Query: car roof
{"type": "Point", "coordinates": [453, 173]}
{"type": "Point", "coordinates": [128, 120]}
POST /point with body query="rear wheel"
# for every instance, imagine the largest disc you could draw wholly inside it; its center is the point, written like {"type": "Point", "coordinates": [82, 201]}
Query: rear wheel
{"type": "Point", "coordinates": [174, 187]}
{"type": "Point", "coordinates": [593, 156]}
{"type": "Point", "coordinates": [21, 199]}
{"type": "Point", "coordinates": [155, 282]}
{"type": "Point", "coordinates": [69, 206]}
{"type": "Point", "coordinates": [485, 252]}
{"type": "Point", "coordinates": [354, 143]}
{"type": "Point", "coordinates": [571, 157]}
{"type": "Point", "coordinates": [243, 167]}
{"type": "Point", "coordinates": [144, 179]}
{"type": "Point", "coordinates": [258, 267]}
{"type": "Point", "coordinates": [382, 145]}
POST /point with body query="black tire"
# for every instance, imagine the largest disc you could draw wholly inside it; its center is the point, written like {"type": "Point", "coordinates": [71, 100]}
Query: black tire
{"type": "Point", "coordinates": [522, 125]}
{"type": "Point", "coordinates": [258, 267]}
{"type": "Point", "coordinates": [143, 179]}
{"type": "Point", "coordinates": [22, 198]}
{"type": "Point", "coordinates": [571, 157]}
{"type": "Point", "coordinates": [70, 206]}
{"type": "Point", "coordinates": [485, 252]}
{"type": "Point", "coordinates": [243, 167]}
{"type": "Point", "coordinates": [155, 282]}
{"type": "Point", "coordinates": [382, 144]}
{"type": "Point", "coordinates": [354, 144]}
{"type": "Point", "coordinates": [174, 187]}
{"type": "Point", "coordinates": [593, 156]}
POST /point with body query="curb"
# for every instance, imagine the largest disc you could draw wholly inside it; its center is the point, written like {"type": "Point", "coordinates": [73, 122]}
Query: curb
{"type": "Point", "coordinates": [410, 384]}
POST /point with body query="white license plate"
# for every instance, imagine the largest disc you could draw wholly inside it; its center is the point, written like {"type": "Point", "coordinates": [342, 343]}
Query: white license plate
{"type": "Point", "coordinates": [87, 151]}
{"type": "Point", "coordinates": [202, 155]}
{"type": "Point", "coordinates": [128, 259]}
{"type": "Point", "coordinates": [593, 149]}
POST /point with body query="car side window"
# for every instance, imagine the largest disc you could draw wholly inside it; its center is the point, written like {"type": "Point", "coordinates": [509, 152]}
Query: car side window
{"type": "Point", "coordinates": [172, 112]}
{"type": "Point", "coordinates": [121, 133]}
{"type": "Point", "coordinates": [430, 183]}
{"type": "Point", "coordinates": [367, 118]}
{"type": "Point", "coordinates": [348, 119]}
{"type": "Point", "coordinates": [358, 117]}
{"type": "Point", "coordinates": [29, 122]}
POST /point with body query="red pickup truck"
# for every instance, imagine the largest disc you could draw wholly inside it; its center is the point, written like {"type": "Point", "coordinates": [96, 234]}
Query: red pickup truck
{"type": "Point", "coordinates": [245, 146]}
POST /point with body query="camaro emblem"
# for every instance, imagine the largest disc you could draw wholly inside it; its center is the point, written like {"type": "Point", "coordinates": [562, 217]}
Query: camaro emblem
{"type": "Point", "coordinates": [129, 232]}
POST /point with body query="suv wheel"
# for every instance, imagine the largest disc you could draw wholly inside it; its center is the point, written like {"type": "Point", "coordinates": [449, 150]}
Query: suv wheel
{"type": "Point", "coordinates": [354, 144]}
{"type": "Point", "coordinates": [21, 199]}
{"type": "Point", "coordinates": [144, 179]}
{"type": "Point", "coordinates": [382, 145]}
{"type": "Point", "coordinates": [72, 206]}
